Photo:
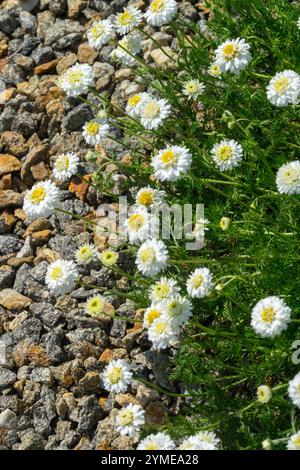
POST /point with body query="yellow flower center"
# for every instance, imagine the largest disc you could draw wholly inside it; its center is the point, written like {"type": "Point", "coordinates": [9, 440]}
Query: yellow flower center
{"type": "Point", "coordinates": [157, 5]}
{"type": "Point", "coordinates": [146, 198]}
{"type": "Point", "coordinates": [290, 175]}
{"type": "Point", "coordinates": [136, 221]}
{"type": "Point", "coordinates": [152, 315]}
{"type": "Point", "coordinates": [38, 195]}
{"type": "Point", "coordinates": [147, 255]}
{"type": "Point", "coordinates": [75, 77]}
{"type": "Point", "coordinates": [114, 375]}
{"type": "Point", "coordinates": [281, 85]}
{"type": "Point", "coordinates": [268, 314]}
{"type": "Point", "coordinates": [168, 157]}
{"type": "Point", "coordinates": [224, 153]}
{"type": "Point", "coordinates": [296, 441]}
{"type": "Point", "coordinates": [92, 128]}
{"type": "Point", "coordinates": [125, 18]}
{"type": "Point", "coordinates": [109, 258]}
{"type": "Point", "coordinates": [85, 252]}
{"type": "Point", "coordinates": [160, 327]}
{"type": "Point", "coordinates": [95, 306]}
{"type": "Point", "coordinates": [162, 291]}
{"type": "Point", "coordinates": [151, 110]}
{"type": "Point", "coordinates": [230, 51]}
{"type": "Point", "coordinates": [56, 273]}
{"type": "Point", "coordinates": [62, 163]}
{"type": "Point", "coordinates": [197, 281]}
{"type": "Point", "coordinates": [134, 100]}
{"type": "Point", "coordinates": [97, 31]}
{"type": "Point", "coordinates": [215, 70]}
{"type": "Point", "coordinates": [192, 87]}
{"type": "Point", "coordinates": [151, 446]}
{"type": "Point", "coordinates": [126, 417]}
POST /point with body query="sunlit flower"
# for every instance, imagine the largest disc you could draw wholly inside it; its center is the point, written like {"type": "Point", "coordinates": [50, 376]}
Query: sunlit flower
{"type": "Point", "coordinates": [264, 394]}
{"type": "Point", "coordinates": [294, 390]}
{"type": "Point", "coordinates": [288, 178]}
{"type": "Point", "coordinates": [94, 131]}
{"type": "Point", "coordinates": [153, 112]}
{"type": "Point", "coordinates": [225, 223]}
{"type": "Point", "coordinates": [193, 88]}
{"type": "Point", "coordinates": [100, 33]}
{"type": "Point", "coordinates": [227, 154]}
{"type": "Point", "coordinates": [128, 19]}
{"type": "Point", "coordinates": [130, 419]}
{"type": "Point", "coordinates": [95, 305]}
{"type": "Point", "coordinates": [159, 441]}
{"type": "Point", "coordinates": [172, 162]}
{"type": "Point", "coordinates": [152, 257]}
{"type": "Point", "coordinates": [134, 104]}
{"type": "Point", "coordinates": [162, 332]}
{"type": "Point", "coordinates": [41, 200]}
{"type": "Point", "coordinates": [77, 79]}
{"type": "Point", "coordinates": [270, 317]}
{"type": "Point", "coordinates": [139, 224]}
{"type": "Point", "coordinates": [161, 12]}
{"type": "Point", "coordinates": [149, 197]}
{"type": "Point", "coordinates": [65, 166]}
{"type": "Point", "coordinates": [152, 313]}
{"type": "Point", "coordinates": [127, 48]}
{"type": "Point", "coordinates": [109, 257]}
{"type": "Point", "coordinates": [203, 440]}
{"type": "Point", "coordinates": [178, 309]}
{"type": "Point", "coordinates": [163, 289]}
{"type": "Point", "coordinates": [61, 276]}
{"type": "Point", "coordinates": [294, 440]}
{"type": "Point", "coordinates": [233, 55]}
{"type": "Point", "coordinates": [86, 253]}
{"type": "Point", "coordinates": [199, 283]}
{"type": "Point", "coordinates": [284, 88]}
{"type": "Point", "coordinates": [117, 376]}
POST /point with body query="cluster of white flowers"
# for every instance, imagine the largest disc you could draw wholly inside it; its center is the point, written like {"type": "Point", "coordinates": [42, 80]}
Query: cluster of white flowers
{"type": "Point", "coordinates": [150, 110]}
{"type": "Point", "coordinates": [203, 440]}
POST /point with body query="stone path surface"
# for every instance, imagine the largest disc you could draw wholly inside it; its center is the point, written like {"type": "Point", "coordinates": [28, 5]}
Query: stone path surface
{"type": "Point", "coordinates": [51, 352]}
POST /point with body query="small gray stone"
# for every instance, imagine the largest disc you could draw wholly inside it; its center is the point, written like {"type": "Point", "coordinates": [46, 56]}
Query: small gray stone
{"type": "Point", "coordinates": [7, 377]}
{"type": "Point", "coordinates": [90, 414]}
{"type": "Point", "coordinates": [77, 117]}
{"type": "Point", "coordinates": [41, 422]}
{"type": "Point", "coordinates": [6, 118]}
{"type": "Point", "coordinates": [60, 29]}
{"type": "Point", "coordinates": [32, 441]}
{"type": "Point", "coordinates": [47, 313]}
{"type": "Point", "coordinates": [42, 55]}
{"type": "Point", "coordinates": [8, 21]}
{"type": "Point", "coordinates": [7, 276]}
{"type": "Point", "coordinates": [9, 244]}
{"type": "Point", "coordinates": [8, 420]}
{"type": "Point", "coordinates": [28, 22]}
{"type": "Point", "coordinates": [25, 123]}
{"type": "Point", "coordinates": [42, 375]}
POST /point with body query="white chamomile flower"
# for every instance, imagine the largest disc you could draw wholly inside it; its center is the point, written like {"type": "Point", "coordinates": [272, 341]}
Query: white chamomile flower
{"type": "Point", "coordinates": [199, 283]}
{"type": "Point", "coordinates": [207, 440]}
{"type": "Point", "coordinates": [152, 313]}
{"type": "Point", "coordinates": [130, 419]}
{"type": "Point", "coordinates": [264, 393]}
{"type": "Point", "coordinates": [159, 441]}
{"type": "Point", "coordinates": [100, 33]}
{"type": "Point", "coordinates": [294, 390]}
{"type": "Point", "coordinates": [127, 47]}
{"type": "Point", "coordinates": [225, 223]}
{"type": "Point", "coordinates": [86, 253]}
{"type": "Point", "coordinates": [161, 12]}
{"type": "Point", "coordinates": [77, 79]}
{"type": "Point", "coordinates": [214, 70]}
{"type": "Point", "coordinates": [270, 317]}
{"type": "Point", "coordinates": [149, 197]}
{"type": "Point", "coordinates": [94, 131]}
{"type": "Point", "coordinates": [109, 257]}
{"type": "Point", "coordinates": [41, 200]}
{"type": "Point", "coordinates": [153, 112]}
{"type": "Point", "coordinates": [139, 224]}
{"type": "Point", "coordinates": [117, 376]}
{"type": "Point", "coordinates": [152, 257]}
{"type": "Point", "coordinates": [170, 163]}
{"type": "Point", "coordinates": [284, 88]}
{"type": "Point", "coordinates": [162, 332]}
{"type": "Point", "coordinates": [193, 88]}
{"type": "Point", "coordinates": [61, 276]}
{"type": "Point", "coordinates": [233, 55]}
{"type": "Point", "coordinates": [178, 309]}
{"type": "Point", "coordinates": [227, 154]}
{"type": "Point", "coordinates": [128, 20]}
{"type": "Point", "coordinates": [163, 289]}
{"type": "Point", "coordinates": [288, 178]}
{"type": "Point", "coordinates": [95, 305]}
{"type": "Point", "coordinates": [294, 442]}
{"type": "Point", "coordinates": [135, 103]}
{"type": "Point", "coordinates": [65, 166]}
